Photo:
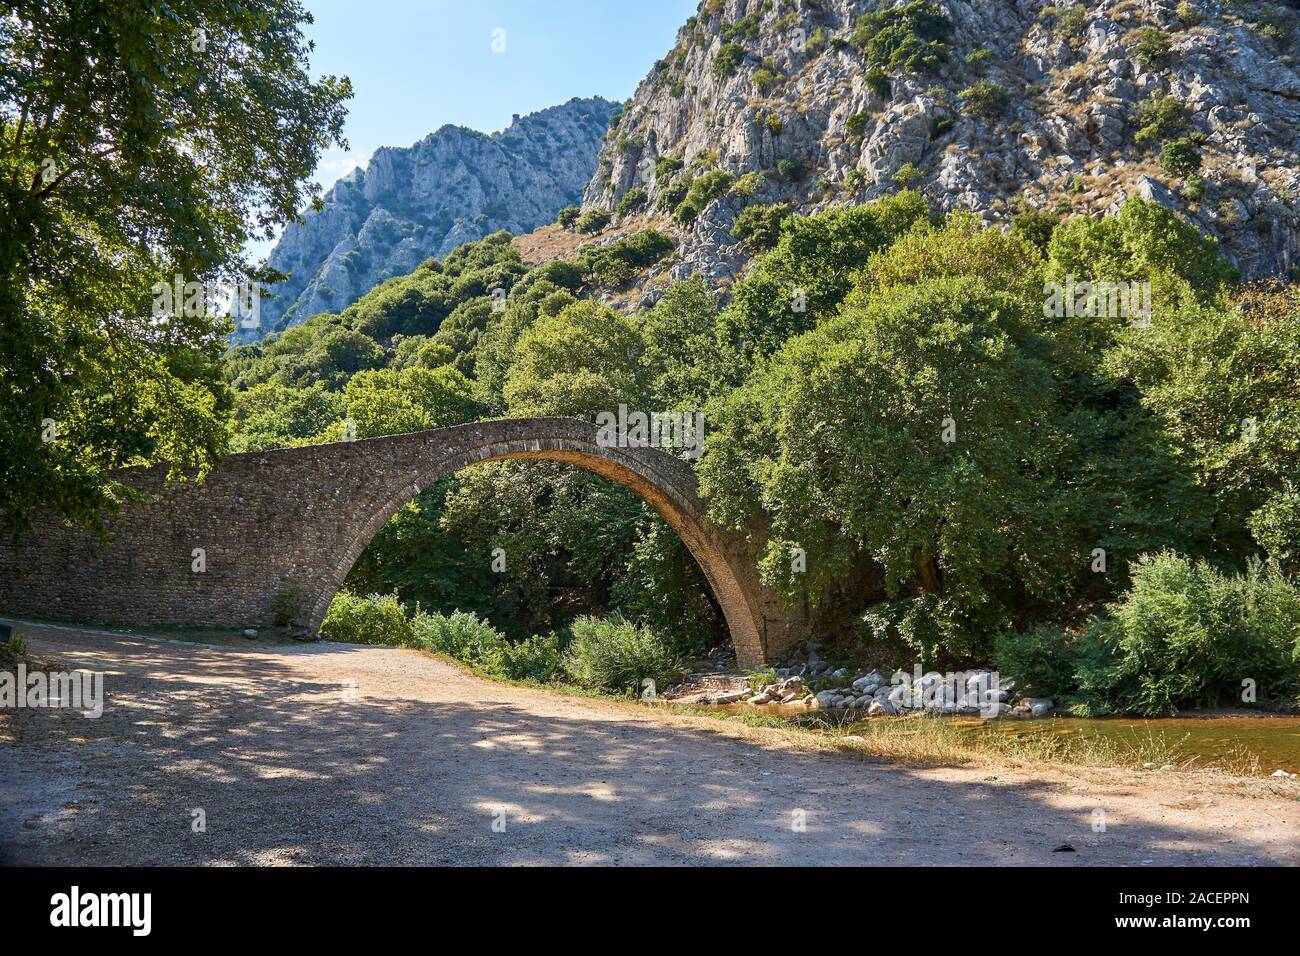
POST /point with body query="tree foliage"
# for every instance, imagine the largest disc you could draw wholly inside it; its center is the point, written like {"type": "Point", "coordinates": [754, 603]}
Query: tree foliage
{"type": "Point", "coordinates": [139, 142]}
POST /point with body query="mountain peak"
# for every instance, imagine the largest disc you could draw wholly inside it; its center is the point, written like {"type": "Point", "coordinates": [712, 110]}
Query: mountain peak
{"type": "Point", "coordinates": [412, 202]}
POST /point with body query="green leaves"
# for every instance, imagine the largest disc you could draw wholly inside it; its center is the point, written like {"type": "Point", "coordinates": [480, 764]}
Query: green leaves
{"type": "Point", "coordinates": [1226, 388]}
{"type": "Point", "coordinates": [725, 61]}
{"type": "Point", "coordinates": [138, 142]}
{"type": "Point", "coordinates": [389, 401]}
{"type": "Point", "coordinates": [840, 438]}
{"type": "Point", "coordinates": [1142, 241]}
{"type": "Point", "coordinates": [1188, 635]}
{"type": "Point", "coordinates": [911, 37]}
{"type": "Point", "coordinates": [760, 226]}
{"type": "Point", "coordinates": [806, 276]}
{"type": "Point", "coordinates": [579, 362]}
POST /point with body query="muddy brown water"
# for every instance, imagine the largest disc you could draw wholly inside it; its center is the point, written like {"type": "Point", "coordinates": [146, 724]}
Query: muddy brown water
{"type": "Point", "coordinates": [1275, 741]}
{"type": "Point", "coordinates": [1207, 740]}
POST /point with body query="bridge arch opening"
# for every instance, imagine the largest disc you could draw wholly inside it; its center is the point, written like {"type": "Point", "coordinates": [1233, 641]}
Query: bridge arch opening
{"type": "Point", "coordinates": [663, 482]}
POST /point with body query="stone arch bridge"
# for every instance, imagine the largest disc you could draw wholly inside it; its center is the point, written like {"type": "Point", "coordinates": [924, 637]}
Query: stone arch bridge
{"type": "Point", "coordinates": [296, 519]}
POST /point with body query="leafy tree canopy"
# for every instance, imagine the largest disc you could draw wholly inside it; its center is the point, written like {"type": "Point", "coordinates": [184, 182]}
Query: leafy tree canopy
{"type": "Point", "coordinates": [139, 142]}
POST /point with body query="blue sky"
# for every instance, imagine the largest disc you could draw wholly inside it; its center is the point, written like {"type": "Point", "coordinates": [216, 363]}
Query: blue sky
{"type": "Point", "coordinates": [417, 64]}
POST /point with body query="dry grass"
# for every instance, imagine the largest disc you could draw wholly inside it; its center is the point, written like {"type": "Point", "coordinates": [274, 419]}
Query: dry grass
{"type": "Point", "coordinates": [551, 242]}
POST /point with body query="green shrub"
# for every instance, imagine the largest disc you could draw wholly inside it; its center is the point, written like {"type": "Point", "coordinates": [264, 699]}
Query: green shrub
{"type": "Point", "coordinates": [765, 79]}
{"type": "Point", "coordinates": [1151, 47]}
{"type": "Point", "coordinates": [979, 56]}
{"type": "Point", "coordinates": [1188, 15]}
{"type": "Point", "coordinates": [666, 166]}
{"type": "Point", "coordinates": [760, 226]}
{"type": "Point", "coordinates": [633, 200]}
{"type": "Point", "coordinates": [790, 170]}
{"type": "Point", "coordinates": [906, 175]}
{"type": "Point", "coordinates": [726, 60]}
{"type": "Point", "coordinates": [878, 82]}
{"type": "Point", "coordinates": [1186, 634]}
{"type": "Point", "coordinates": [1035, 225]}
{"type": "Point", "coordinates": [565, 273]}
{"type": "Point", "coordinates": [1276, 526]}
{"type": "Point", "coordinates": [288, 602]}
{"type": "Point", "coordinates": [746, 27]}
{"type": "Point", "coordinates": [671, 196]}
{"type": "Point", "coordinates": [1039, 661]}
{"type": "Point", "coordinates": [686, 213]}
{"type": "Point", "coordinates": [460, 635]}
{"type": "Point", "coordinates": [14, 649]}
{"type": "Point", "coordinates": [373, 619]}
{"type": "Point", "coordinates": [708, 187]}
{"type": "Point", "coordinates": [538, 658]}
{"type": "Point", "coordinates": [568, 216]}
{"type": "Point", "coordinates": [1071, 23]}
{"type": "Point", "coordinates": [704, 159]}
{"type": "Point", "coordinates": [703, 190]}
{"type": "Point", "coordinates": [747, 185]}
{"type": "Point", "coordinates": [910, 37]}
{"type": "Point", "coordinates": [614, 263]}
{"type": "Point", "coordinates": [614, 654]}
{"type": "Point", "coordinates": [1180, 157]}
{"type": "Point", "coordinates": [984, 98]}
{"type": "Point", "coordinates": [1159, 118]}
{"type": "Point", "coordinates": [856, 125]}
{"type": "Point", "coordinates": [593, 221]}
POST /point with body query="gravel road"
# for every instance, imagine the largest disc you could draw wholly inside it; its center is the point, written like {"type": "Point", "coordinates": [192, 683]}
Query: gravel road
{"type": "Point", "coordinates": [338, 754]}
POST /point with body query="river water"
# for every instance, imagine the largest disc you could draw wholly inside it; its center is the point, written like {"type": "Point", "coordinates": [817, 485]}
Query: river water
{"type": "Point", "coordinates": [1275, 741]}
{"type": "Point", "coordinates": [1200, 741]}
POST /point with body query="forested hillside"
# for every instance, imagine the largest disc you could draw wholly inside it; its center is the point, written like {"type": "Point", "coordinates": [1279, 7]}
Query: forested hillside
{"type": "Point", "coordinates": [964, 471]}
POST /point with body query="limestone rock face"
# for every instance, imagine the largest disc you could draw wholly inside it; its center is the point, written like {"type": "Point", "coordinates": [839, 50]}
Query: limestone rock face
{"type": "Point", "coordinates": [410, 203]}
{"type": "Point", "coordinates": [785, 90]}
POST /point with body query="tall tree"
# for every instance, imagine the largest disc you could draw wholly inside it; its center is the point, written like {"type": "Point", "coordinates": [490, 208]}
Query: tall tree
{"type": "Point", "coordinates": [141, 141]}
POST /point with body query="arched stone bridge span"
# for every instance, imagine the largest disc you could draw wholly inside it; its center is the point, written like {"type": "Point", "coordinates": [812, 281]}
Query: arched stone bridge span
{"type": "Point", "coordinates": [298, 518]}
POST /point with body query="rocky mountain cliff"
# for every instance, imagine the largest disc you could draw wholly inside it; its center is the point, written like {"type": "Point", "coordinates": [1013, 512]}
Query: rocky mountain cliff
{"type": "Point", "coordinates": [453, 186]}
{"type": "Point", "coordinates": [986, 105]}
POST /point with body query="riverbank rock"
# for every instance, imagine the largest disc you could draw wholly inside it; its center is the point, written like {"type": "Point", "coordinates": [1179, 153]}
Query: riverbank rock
{"type": "Point", "coordinates": [1040, 706]}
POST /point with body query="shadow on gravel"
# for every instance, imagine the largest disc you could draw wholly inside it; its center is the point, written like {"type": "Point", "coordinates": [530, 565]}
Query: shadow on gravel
{"type": "Point", "coordinates": [287, 770]}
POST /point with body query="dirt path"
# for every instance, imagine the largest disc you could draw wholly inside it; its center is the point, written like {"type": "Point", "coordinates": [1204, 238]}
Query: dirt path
{"type": "Point", "coordinates": [339, 754]}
